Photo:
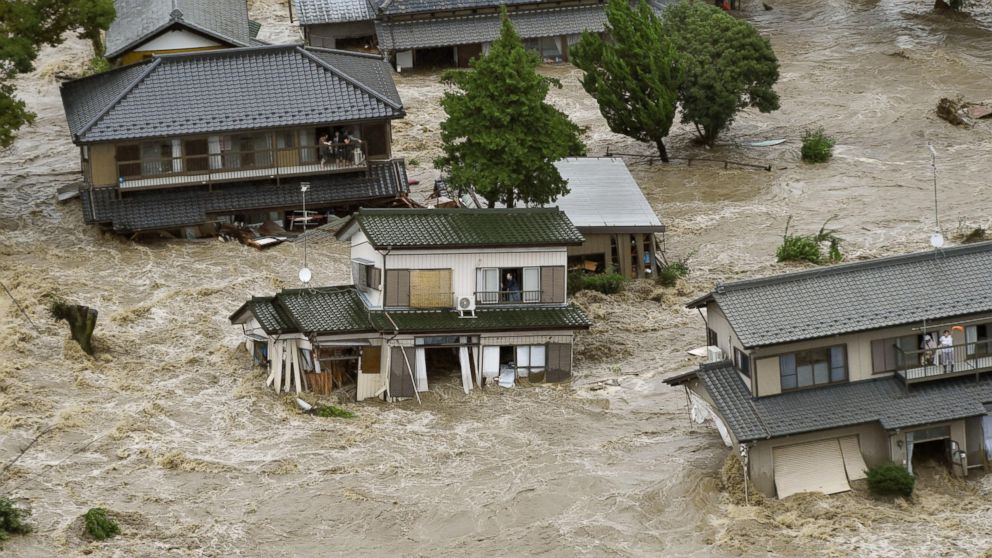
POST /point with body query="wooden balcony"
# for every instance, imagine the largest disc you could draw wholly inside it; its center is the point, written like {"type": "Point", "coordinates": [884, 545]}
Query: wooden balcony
{"type": "Point", "coordinates": [233, 166]}
{"type": "Point", "coordinates": [944, 362]}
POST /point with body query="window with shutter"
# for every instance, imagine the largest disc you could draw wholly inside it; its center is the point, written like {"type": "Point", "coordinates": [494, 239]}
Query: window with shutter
{"type": "Point", "coordinates": [397, 287]}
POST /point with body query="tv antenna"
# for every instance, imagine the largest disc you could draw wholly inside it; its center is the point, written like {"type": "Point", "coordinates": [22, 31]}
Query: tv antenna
{"type": "Point", "coordinates": [936, 239]}
{"type": "Point", "coordinates": [305, 273]}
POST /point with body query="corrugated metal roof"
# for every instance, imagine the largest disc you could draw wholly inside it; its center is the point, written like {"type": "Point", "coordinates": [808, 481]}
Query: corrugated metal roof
{"type": "Point", "coordinates": [138, 20]}
{"type": "Point", "coordinates": [603, 196]}
{"type": "Point", "coordinates": [471, 29]}
{"type": "Point", "coordinates": [230, 90]}
{"type": "Point", "coordinates": [316, 12]}
{"type": "Point", "coordinates": [859, 296]}
{"type": "Point", "coordinates": [463, 228]}
{"type": "Point", "coordinates": [882, 400]}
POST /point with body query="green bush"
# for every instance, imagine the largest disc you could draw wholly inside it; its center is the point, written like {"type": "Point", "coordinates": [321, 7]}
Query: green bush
{"type": "Point", "coordinates": [671, 272]}
{"type": "Point", "coordinates": [12, 520]}
{"type": "Point", "coordinates": [99, 525]}
{"type": "Point", "coordinates": [329, 411]}
{"type": "Point", "coordinates": [808, 247]}
{"type": "Point", "coordinates": [817, 146]}
{"type": "Point", "coordinates": [890, 479]}
{"type": "Point", "coordinates": [606, 283]}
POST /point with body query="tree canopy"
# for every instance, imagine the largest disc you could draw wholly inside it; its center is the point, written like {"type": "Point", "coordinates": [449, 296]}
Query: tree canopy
{"type": "Point", "coordinates": [501, 137]}
{"type": "Point", "coordinates": [727, 66]}
{"type": "Point", "coordinates": [26, 26]}
{"type": "Point", "coordinates": [634, 75]}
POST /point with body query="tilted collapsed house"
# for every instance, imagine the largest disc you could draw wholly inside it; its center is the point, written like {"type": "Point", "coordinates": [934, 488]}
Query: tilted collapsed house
{"type": "Point", "coordinates": [187, 139]}
{"type": "Point", "coordinates": [825, 373]}
{"type": "Point", "coordinates": [428, 296]}
{"type": "Point", "coordinates": [448, 32]}
{"type": "Point", "coordinates": [144, 28]}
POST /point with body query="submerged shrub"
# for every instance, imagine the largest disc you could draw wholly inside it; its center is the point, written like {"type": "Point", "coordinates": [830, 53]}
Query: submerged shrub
{"type": "Point", "coordinates": [817, 146]}
{"type": "Point", "coordinates": [606, 283]}
{"type": "Point", "coordinates": [12, 519]}
{"type": "Point", "coordinates": [809, 248]}
{"type": "Point", "coordinates": [671, 272]}
{"type": "Point", "coordinates": [99, 525]}
{"type": "Point", "coordinates": [329, 411]}
{"type": "Point", "coordinates": [890, 479]}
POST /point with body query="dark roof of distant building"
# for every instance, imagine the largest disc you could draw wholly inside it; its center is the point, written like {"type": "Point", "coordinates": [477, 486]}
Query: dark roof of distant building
{"type": "Point", "coordinates": [882, 400]}
{"type": "Point", "coordinates": [858, 296]}
{"type": "Point", "coordinates": [463, 228]}
{"type": "Point", "coordinates": [140, 20]}
{"type": "Point", "coordinates": [396, 7]}
{"type": "Point", "coordinates": [340, 310]}
{"type": "Point", "coordinates": [175, 207]}
{"type": "Point", "coordinates": [477, 28]}
{"type": "Point", "coordinates": [230, 90]}
{"type": "Point", "coordinates": [317, 12]}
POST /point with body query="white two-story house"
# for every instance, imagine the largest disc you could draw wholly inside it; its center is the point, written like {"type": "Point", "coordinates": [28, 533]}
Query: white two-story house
{"type": "Point", "coordinates": [481, 293]}
{"type": "Point", "coordinates": [822, 373]}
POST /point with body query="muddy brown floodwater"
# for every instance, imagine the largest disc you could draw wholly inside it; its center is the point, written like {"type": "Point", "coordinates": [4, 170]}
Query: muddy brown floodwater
{"type": "Point", "coordinates": [170, 427]}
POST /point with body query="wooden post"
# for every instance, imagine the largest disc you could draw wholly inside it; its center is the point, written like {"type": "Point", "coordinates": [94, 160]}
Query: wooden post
{"type": "Point", "coordinates": [608, 256]}
{"type": "Point", "coordinates": [639, 239]}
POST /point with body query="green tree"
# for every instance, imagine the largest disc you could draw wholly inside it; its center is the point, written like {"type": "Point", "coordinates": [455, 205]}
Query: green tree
{"type": "Point", "coordinates": [26, 26]}
{"type": "Point", "coordinates": [633, 75]}
{"type": "Point", "coordinates": [501, 137]}
{"type": "Point", "coordinates": [727, 66]}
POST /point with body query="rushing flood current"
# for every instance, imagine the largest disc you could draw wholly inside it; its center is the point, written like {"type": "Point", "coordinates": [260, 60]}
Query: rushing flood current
{"type": "Point", "coordinates": [171, 427]}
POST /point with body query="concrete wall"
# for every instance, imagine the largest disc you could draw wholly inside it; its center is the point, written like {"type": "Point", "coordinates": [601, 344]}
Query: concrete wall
{"type": "Point", "coordinates": [872, 438]}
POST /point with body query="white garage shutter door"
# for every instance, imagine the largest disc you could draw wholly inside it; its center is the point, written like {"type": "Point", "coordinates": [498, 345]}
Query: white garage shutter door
{"type": "Point", "coordinates": [854, 462]}
{"type": "Point", "coordinates": [810, 467]}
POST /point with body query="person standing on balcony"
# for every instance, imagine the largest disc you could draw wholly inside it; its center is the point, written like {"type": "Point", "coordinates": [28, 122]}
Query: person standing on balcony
{"type": "Point", "coordinates": [947, 351]}
{"type": "Point", "coordinates": [324, 150]}
{"type": "Point", "coordinates": [512, 288]}
{"type": "Point", "coordinates": [929, 349]}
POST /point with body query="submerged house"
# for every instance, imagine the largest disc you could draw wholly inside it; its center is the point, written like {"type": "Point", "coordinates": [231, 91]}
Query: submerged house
{"type": "Point", "coordinates": [429, 297]}
{"type": "Point", "coordinates": [820, 373]}
{"type": "Point", "coordinates": [144, 28]}
{"type": "Point", "coordinates": [607, 206]}
{"type": "Point", "coordinates": [449, 33]}
{"type": "Point", "coordinates": [183, 140]}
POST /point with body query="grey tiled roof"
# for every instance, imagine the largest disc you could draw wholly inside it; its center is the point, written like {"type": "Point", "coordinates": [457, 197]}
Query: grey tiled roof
{"type": "Point", "coordinates": [229, 90]}
{"type": "Point", "coordinates": [467, 228]}
{"type": "Point", "coordinates": [138, 20]}
{"type": "Point", "coordinates": [334, 310]}
{"type": "Point", "coordinates": [394, 7]}
{"type": "Point", "coordinates": [435, 32]}
{"type": "Point", "coordinates": [859, 296]}
{"type": "Point", "coordinates": [316, 12]}
{"type": "Point", "coordinates": [178, 207]}
{"type": "Point", "coordinates": [883, 400]}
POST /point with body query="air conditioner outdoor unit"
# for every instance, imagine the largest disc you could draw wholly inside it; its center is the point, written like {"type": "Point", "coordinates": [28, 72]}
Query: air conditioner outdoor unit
{"type": "Point", "coordinates": [465, 305]}
{"type": "Point", "coordinates": [714, 354]}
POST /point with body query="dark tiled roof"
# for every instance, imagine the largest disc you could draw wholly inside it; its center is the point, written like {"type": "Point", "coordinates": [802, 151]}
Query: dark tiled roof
{"type": "Point", "coordinates": [178, 207]}
{"type": "Point", "coordinates": [467, 228]}
{"type": "Point", "coordinates": [434, 32]}
{"type": "Point", "coordinates": [315, 12]}
{"type": "Point", "coordinates": [138, 20]}
{"type": "Point", "coordinates": [503, 319]}
{"type": "Point", "coordinates": [394, 7]}
{"type": "Point", "coordinates": [882, 400]}
{"type": "Point", "coordinates": [333, 310]}
{"type": "Point", "coordinates": [229, 90]}
{"type": "Point", "coordinates": [859, 296]}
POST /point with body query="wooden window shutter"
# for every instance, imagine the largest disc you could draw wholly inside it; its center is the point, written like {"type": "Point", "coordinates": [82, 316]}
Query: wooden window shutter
{"type": "Point", "coordinates": [878, 349]}
{"type": "Point", "coordinates": [547, 284]}
{"type": "Point", "coordinates": [376, 278]}
{"type": "Point", "coordinates": [397, 287]}
{"type": "Point", "coordinates": [558, 277]}
{"type": "Point", "coordinates": [559, 357]}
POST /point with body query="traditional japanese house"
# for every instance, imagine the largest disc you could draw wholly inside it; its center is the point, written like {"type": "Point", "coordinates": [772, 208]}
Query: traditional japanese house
{"type": "Point", "coordinates": [184, 140]}
{"type": "Point", "coordinates": [450, 32]}
{"type": "Point", "coordinates": [144, 28]}
{"type": "Point", "coordinates": [607, 206]}
{"type": "Point", "coordinates": [819, 374]}
{"type": "Point", "coordinates": [430, 295]}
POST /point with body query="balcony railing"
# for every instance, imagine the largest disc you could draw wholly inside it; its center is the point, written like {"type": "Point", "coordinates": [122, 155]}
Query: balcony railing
{"type": "Point", "coordinates": [507, 297]}
{"type": "Point", "coordinates": [431, 299]}
{"type": "Point", "coordinates": [233, 165]}
{"type": "Point", "coordinates": [944, 362]}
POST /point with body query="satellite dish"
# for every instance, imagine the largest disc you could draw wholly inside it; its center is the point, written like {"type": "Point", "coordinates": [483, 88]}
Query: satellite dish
{"type": "Point", "coordinates": [936, 240]}
{"type": "Point", "coordinates": [305, 275]}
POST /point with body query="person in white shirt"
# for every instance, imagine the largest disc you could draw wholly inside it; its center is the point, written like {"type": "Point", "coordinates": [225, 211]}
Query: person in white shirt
{"type": "Point", "coordinates": [947, 351]}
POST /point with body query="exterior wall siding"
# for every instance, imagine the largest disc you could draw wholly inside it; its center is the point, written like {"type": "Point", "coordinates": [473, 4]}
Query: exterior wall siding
{"type": "Point", "coordinates": [768, 380]}
{"type": "Point", "coordinates": [362, 250]}
{"type": "Point", "coordinates": [326, 35]}
{"type": "Point", "coordinates": [103, 164]}
{"type": "Point", "coordinates": [872, 438]}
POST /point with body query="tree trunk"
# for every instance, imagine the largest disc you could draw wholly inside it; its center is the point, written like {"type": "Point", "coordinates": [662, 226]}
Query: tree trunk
{"type": "Point", "coordinates": [82, 322]}
{"type": "Point", "coordinates": [662, 152]}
